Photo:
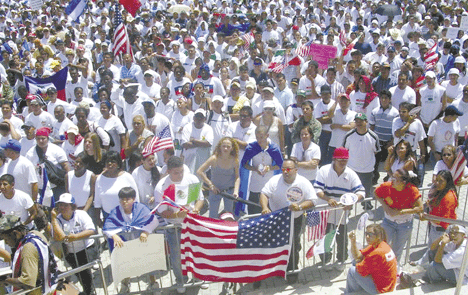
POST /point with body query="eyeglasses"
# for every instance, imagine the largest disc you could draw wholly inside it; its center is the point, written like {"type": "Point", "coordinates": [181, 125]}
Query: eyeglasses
{"type": "Point", "coordinates": [446, 155]}
{"type": "Point", "coordinates": [287, 169]}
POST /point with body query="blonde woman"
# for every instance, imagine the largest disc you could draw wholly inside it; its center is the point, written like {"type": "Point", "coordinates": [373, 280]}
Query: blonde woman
{"type": "Point", "coordinates": [224, 164]}
{"type": "Point", "coordinates": [138, 137]}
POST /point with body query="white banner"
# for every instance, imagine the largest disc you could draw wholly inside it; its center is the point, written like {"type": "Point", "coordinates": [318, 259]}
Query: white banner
{"type": "Point", "coordinates": [136, 258]}
{"type": "Point", "coordinates": [36, 4]}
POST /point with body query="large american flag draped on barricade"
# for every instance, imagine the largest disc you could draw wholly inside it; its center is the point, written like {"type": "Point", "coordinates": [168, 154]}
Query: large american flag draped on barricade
{"type": "Point", "coordinates": [120, 42]}
{"type": "Point", "coordinates": [40, 85]}
{"type": "Point", "coordinates": [241, 252]}
{"type": "Point", "coordinates": [160, 142]}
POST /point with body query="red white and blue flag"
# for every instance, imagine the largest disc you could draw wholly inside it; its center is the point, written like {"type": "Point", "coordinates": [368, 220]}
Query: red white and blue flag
{"type": "Point", "coordinates": [242, 252]}
{"type": "Point", "coordinates": [459, 165]}
{"type": "Point", "coordinates": [40, 85]}
{"type": "Point", "coordinates": [304, 50]}
{"type": "Point", "coordinates": [160, 142]}
{"type": "Point", "coordinates": [431, 57]}
{"type": "Point", "coordinates": [317, 224]}
{"type": "Point", "coordinates": [120, 42]}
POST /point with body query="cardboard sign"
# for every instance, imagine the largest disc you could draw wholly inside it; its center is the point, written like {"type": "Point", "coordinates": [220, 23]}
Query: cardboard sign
{"type": "Point", "coordinates": [322, 53]}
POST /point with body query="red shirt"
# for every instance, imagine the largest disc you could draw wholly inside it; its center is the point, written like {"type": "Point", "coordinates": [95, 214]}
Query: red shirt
{"type": "Point", "coordinates": [446, 208]}
{"type": "Point", "coordinates": [381, 264]}
{"type": "Point", "coordinates": [401, 200]}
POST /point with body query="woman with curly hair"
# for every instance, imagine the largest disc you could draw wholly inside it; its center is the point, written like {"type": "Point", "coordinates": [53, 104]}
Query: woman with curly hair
{"type": "Point", "coordinates": [224, 165]}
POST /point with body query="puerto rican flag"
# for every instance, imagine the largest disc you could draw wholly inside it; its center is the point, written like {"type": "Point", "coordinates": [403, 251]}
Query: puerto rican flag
{"type": "Point", "coordinates": [40, 85]}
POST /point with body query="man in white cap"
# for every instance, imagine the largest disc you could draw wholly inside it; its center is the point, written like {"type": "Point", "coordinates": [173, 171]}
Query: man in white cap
{"type": "Point", "coordinates": [453, 87]}
{"type": "Point", "coordinates": [149, 87]}
{"type": "Point", "coordinates": [175, 52]}
{"type": "Point", "coordinates": [433, 99]}
{"type": "Point", "coordinates": [447, 255]}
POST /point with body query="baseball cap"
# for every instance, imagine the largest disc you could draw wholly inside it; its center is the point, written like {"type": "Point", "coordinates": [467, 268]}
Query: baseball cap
{"type": "Point", "coordinates": [341, 153]}
{"type": "Point", "coordinates": [51, 90]}
{"type": "Point", "coordinates": [460, 59]}
{"type": "Point", "coordinates": [361, 116]}
{"type": "Point", "coordinates": [295, 81]}
{"type": "Point", "coordinates": [200, 111]}
{"type": "Point", "coordinates": [250, 85]}
{"type": "Point", "coordinates": [268, 104]}
{"type": "Point", "coordinates": [449, 111]}
{"type": "Point", "coordinates": [35, 102]}
{"type": "Point", "coordinates": [12, 144]}
{"type": "Point", "coordinates": [430, 74]}
{"type": "Point", "coordinates": [457, 228]}
{"type": "Point", "coordinates": [301, 92]}
{"type": "Point", "coordinates": [66, 198]}
{"type": "Point", "coordinates": [73, 129]}
{"type": "Point", "coordinates": [391, 48]}
{"type": "Point", "coordinates": [454, 71]}
{"type": "Point", "coordinates": [8, 222]}
{"type": "Point", "coordinates": [269, 89]}
{"type": "Point", "coordinates": [217, 98]}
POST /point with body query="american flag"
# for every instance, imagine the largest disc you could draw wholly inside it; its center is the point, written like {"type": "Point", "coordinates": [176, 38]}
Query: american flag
{"type": "Point", "coordinates": [431, 57]}
{"type": "Point", "coordinates": [343, 40]}
{"type": "Point", "coordinates": [240, 252]}
{"type": "Point", "coordinates": [248, 38]}
{"type": "Point", "coordinates": [317, 224]}
{"type": "Point", "coordinates": [459, 164]}
{"type": "Point", "coordinates": [304, 50]}
{"type": "Point", "coordinates": [160, 142]}
{"type": "Point", "coordinates": [121, 42]}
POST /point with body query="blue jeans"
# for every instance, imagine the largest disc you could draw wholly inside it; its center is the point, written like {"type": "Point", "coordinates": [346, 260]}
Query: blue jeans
{"type": "Point", "coordinates": [324, 151]}
{"type": "Point", "coordinates": [355, 282]}
{"type": "Point", "coordinates": [173, 242]}
{"type": "Point", "coordinates": [397, 235]}
{"type": "Point", "coordinates": [366, 180]}
{"type": "Point", "coordinates": [215, 201]}
{"type": "Point", "coordinates": [436, 272]}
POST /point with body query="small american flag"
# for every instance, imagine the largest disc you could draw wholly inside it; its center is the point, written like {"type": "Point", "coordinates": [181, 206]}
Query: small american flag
{"type": "Point", "coordinates": [317, 224]}
{"type": "Point", "coordinates": [459, 164]}
{"type": "Point", "coordinates": [248, 39]}
{"type": "Point", "coordinates": [343, 40]}
{"type": "Point", "coordinates": [121, 42]}
{"type": "Point", "coordinates": [160, 142]}
{"type": "Point", "coordinates": [304, 50]}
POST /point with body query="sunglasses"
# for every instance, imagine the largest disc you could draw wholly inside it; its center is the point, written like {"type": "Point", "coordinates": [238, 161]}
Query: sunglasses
{"type": "Point", "coordinates": [287, 169]}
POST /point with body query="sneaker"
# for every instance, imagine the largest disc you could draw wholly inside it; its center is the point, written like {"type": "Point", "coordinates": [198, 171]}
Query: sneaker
{"type": "Point", "coordinates": [181, 290]}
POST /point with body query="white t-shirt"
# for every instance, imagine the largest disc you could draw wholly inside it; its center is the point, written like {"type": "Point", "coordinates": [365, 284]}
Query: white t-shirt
{"type": "Point", "coordinates": [413, 135]}
{"type": "Point", "coordinates": [312, 152]}
{"type": "Point", "coordinates": [18, 205]}
{"type": "Point", "coordinates": [115, 128]}
{"type": "Point", "coordinates": [431, 103]}
{"type": "Point", "coordinates": [44, 119]}
{"type": "Point", "coordinates": [79, 222]}
{"type": "Point", "coordinates": [142, 178]}
{"type": "Point", "coordinates": [59, 128]}
{"type": "Point", "coordinates": [24, 173]}
{"type": "Point", "coordinates": [338, 135]}
{"type": "Point", "coordinates": [321, 110]}
{"type": "Point", "coordinates": [444, 133]}
{"type": "Point", "coordinates": [281, 194]}
{"type": "Point", "coordinates": [357, 103]}
{"type": "Point", "coordinates": [107, 191]}
{"type": "Point", "coordinates": [405, 95]}
{"type": "Point", "coordinates": [362, 149]}
{"type": "Point", "coordinates": [462, 107]}
{"type": "Point", "coordinates": [54, 153]}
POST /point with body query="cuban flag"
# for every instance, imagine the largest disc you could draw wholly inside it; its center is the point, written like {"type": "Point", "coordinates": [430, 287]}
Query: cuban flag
{"type": "Point", "coordinates": [75, 9]}
{"type": "Point", "coordinates": [40, 85]}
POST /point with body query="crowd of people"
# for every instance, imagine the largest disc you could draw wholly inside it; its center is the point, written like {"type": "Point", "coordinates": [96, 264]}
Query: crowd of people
{"type": "Point", "coordinates": [251, 111]}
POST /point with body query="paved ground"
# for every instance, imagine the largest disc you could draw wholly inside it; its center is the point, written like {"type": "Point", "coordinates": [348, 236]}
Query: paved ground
{"type": "Point", "coordinates": [313, 278]}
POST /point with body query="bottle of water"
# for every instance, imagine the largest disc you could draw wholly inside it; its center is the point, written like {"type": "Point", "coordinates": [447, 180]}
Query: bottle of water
{"type": "Point", "coordinates": [421, 168]}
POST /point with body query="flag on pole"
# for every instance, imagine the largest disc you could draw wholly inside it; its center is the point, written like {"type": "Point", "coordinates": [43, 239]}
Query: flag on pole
{"type": "Point", "coordinates": [40, 85]}
{"type": "Point", "coordinates": [317, 224]}
{"type": "Point", "coordinates": [281, 60]}
{"type": "Point", "coordinates": [304, 50]}
{"type": "Point", "coordinates": [350, 45]}
{"type": "Point", "coordinates": [431, 57]}
{"type": "Point", "coordinates": [75, 9]}
{"type": "Point", "coordinates": [343, 40]}
{"type": "Point", "coordinates": [248, 39]}
{"type": "Point", "coordinates": [324, 245]}
{"type": "Point", "coordinates": [160, 142]}
{"type": "Point", "coordinates": [121, 42]}
{"type": "Point", "coordinates": [193, 192]}
{"type": "Point", "coordinates": [131, 6]}
{"type": "Point", "coordinates": [242, 252]}
{"type": "Point", "coordinates": [419, 82]}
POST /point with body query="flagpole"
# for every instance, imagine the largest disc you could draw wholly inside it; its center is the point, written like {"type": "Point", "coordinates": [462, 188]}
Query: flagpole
{"type": "Point", "coordinates": [336, 232]}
